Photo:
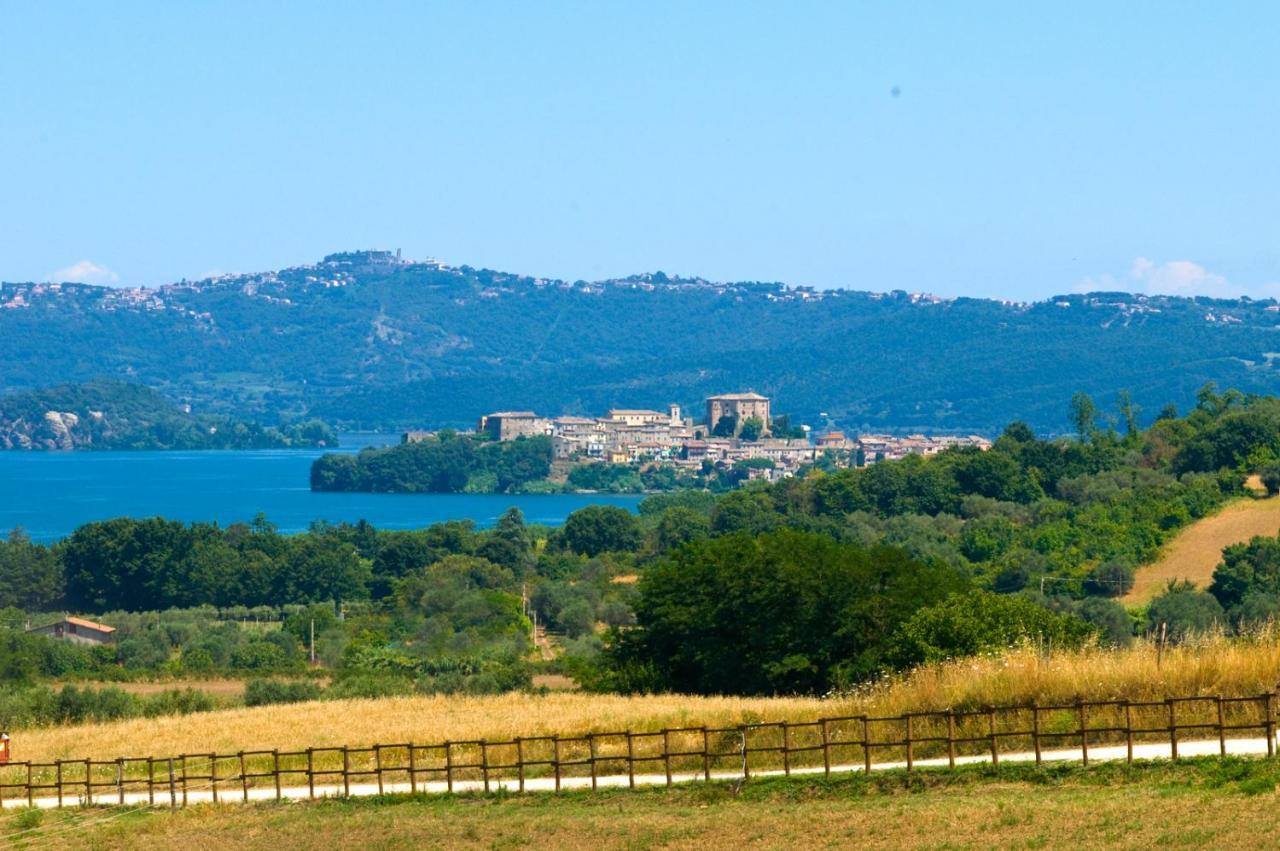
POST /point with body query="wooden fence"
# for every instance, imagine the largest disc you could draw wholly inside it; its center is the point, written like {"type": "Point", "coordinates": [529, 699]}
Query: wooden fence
{"type": "Point", "coordinates": [846, 743]}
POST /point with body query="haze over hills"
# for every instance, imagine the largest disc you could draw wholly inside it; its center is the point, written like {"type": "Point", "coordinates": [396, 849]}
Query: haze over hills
{"type": "Point", "coordinates": [364, 339]}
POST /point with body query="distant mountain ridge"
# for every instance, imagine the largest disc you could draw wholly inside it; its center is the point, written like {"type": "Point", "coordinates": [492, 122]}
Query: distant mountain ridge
{"type": "Point", "coordinates": [365, 339]}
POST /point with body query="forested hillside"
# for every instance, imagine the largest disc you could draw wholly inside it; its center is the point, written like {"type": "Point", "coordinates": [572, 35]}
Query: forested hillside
{"type": "Point", "coordinates": [106, 414]}
{"type": "Point", "coordinates": [364, 340]}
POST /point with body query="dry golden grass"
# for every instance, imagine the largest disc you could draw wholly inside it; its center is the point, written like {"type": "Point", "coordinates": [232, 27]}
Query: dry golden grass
{"type": "Point", "coordinates": [401, 719]}
{"type": "Point", "coordinates": [1211, 665]}
{"type": "Point", "coordinates": [1197, 550]}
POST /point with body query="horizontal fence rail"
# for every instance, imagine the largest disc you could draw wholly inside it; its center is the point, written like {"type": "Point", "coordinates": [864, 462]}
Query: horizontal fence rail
{"type": "Point", "coordinates": [1029, 732]}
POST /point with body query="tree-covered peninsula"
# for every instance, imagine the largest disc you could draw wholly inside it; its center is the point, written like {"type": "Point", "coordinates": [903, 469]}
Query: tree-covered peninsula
{"type": "Point", "coordinates": [106, 414]}
{"type": "Point", "coordinates": [444, 463]}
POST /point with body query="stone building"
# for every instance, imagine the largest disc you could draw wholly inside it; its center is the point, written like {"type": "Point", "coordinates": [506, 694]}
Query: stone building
{"type": "Point", "coordinates": [508, 425]}
{"type": "Point", "coordinates": [740, 406]}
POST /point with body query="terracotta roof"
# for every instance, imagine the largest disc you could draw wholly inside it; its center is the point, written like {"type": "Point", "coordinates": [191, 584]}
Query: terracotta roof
{"type": "Point", "coordinates": [100, 627]}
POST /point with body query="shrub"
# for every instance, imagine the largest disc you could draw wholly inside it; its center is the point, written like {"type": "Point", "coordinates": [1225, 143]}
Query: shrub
{"type": "Point", "coordinates": [1112, 578]}
{"type": "Point", "coordinates": [1270, 476]}
{"type": "Point", "coordinates": [176, 702]}
{"type": "Point", "coordinates": [1184, 611]}
{"type": "Point", "coordinates": [267, 692]}
{"type": "Point", "coordinates": [980, 622]}
{"type": "Point", "coordinates": [259, 656]}
{"type": "Point", "coordinates": [1109, 618]}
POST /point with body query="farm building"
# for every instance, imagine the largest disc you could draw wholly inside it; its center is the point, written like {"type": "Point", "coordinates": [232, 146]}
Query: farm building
{"type": "Point", "coordinates": [77, 630]}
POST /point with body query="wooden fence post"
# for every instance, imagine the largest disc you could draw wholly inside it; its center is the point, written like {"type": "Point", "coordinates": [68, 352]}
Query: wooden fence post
{"type": "Point", "coordinates": [173, 788]}
{"type": "Point", "coordinates": [57, 768]}
{"type": "Point", "coordinates": [377, 765]}
{"type": "Point", "coordinates": [631, 761]}
{"type": "Point", "coordinates": [786, 749]}
{"type": "Point", "coordinates": [213, 775]}
{"type": "Point", "coordinates": [826, 748]}
{"type": "Point", "coordinates": [1084, 736]}
{"type": "Point", "coordinates": [666, 753]}
{"type": "Point", "coordinates": [1222, 730]}
{"type": "Point", "coordinates": [1173, 729]}
{"type": "Point", "coordinates": [88, 781]}
{"type": "Point", "coordinates": [866, 745]}
{"type": "Point", "coordinates": [1128, 731]}
{"type": "Point", "coordinates": [591, 750]}
{"type": "Point", "coordinates": [991, 732]}
{"type": "Point", "coordinates": [346, 772]}
{"type": "Point", "coordinates": [413, 771]}
{"type": "Point", "coordinates": [706, 756]}
{"type": "Point", "coordinates": [907, 717]}
{"type": "Point", "coordinates": [31, 796]}
{"type": "Point", "coordinates": [746, 755]}
{"type": "Point", "coordinates": [119, 780]}
{"type": "Point", "coordinates": [311, 772]}
{"type": "Point", "coordinates": [151, 781]}
{"type": "Point", "coordinates": [183, 757]}
{"type": "Point", "coordinates": [484, 763]}
{"type": "Point", "coordinates": [275, 772]}
{"type": "Point", "coordinates": [244, 778]}
{"type": "Point", "coordinates": [520, 761]}
{"type": "Point", "coordinates": [1035, 730]}
{"type": "Point", "coordinates": [1269, 706]}
{"type": "Point", "coordinates": [951, 738]}
{"type": "Point", "coordinates": [555, 752]}
{"type": "Point", "coordinates": [448, 765]}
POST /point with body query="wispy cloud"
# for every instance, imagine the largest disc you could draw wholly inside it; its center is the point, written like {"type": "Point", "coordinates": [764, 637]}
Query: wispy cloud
{"type": "Point", "coordinates": [1179, 277]}
{"type": "Point", "coordinates": [85, 272]}
{"type": "Point", "coordinates": [1175, 277]}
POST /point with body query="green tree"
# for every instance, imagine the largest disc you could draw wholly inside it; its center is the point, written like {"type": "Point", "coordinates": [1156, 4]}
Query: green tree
{"type": "Point", "coordinates": [509, 543]}
{"type": "Point", "coordinates": [1270, 476]}
{"type": "Point", "coordinates": [601, 528]}
{"type": "Point", "coordinates": [726, 426]}
{"type": "Point", "coordinates": [752, 428]}
{"type": "Point", "coordinates": [30, 575]}
{"type": "Point", "coordinates": [785, 612]}
{"type": "Point", "coordinates": [1084, 415]}
{"type": "Point", "coordinates": [1247, 568]}
{"type": "Point", "coordinates": [679, 526]}
{"type": "Point", "coordinates": [322, 566]}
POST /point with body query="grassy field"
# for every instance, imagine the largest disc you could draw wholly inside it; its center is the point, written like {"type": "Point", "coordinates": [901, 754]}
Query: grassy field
{"type": "Point", "coordinates": [401, 719]}
{"type": "Point", "coordinates": [1193, 804]}
{"type": "Point", "coordinates": [1212, 665]}
{"type": "Point", "coordinates": [1196, 551]}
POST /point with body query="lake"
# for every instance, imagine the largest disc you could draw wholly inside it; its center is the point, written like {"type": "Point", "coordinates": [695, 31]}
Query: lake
{"type": "Point", "coordinates": [49, 494]}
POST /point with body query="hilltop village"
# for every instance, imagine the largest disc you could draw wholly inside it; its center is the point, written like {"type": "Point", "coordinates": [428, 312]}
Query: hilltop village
{"type": "Point", "coordinates": [737, 430]}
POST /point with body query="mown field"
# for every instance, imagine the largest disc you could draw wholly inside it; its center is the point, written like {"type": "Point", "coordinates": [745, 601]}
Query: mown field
{"type": "Point", "coordinates": [1197, 550]}
{"type": "Point", "coordinates": [1207, 803]}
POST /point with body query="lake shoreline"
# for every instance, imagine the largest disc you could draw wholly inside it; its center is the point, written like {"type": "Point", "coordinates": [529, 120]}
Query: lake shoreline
{"type": "Point", "coordinates": [50, 494]}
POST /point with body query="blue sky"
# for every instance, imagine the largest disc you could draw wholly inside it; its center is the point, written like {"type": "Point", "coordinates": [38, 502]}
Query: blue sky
{"type": "Point", "coordinates": [1011, 150]}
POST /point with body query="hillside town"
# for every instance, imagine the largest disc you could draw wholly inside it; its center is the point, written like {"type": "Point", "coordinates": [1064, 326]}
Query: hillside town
{"type": "Point", "coordinates": [734, 428]}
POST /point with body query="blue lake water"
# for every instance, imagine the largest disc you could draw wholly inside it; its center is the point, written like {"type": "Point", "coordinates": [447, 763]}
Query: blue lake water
{"type": "Point", "coordinates": [49, 494]}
